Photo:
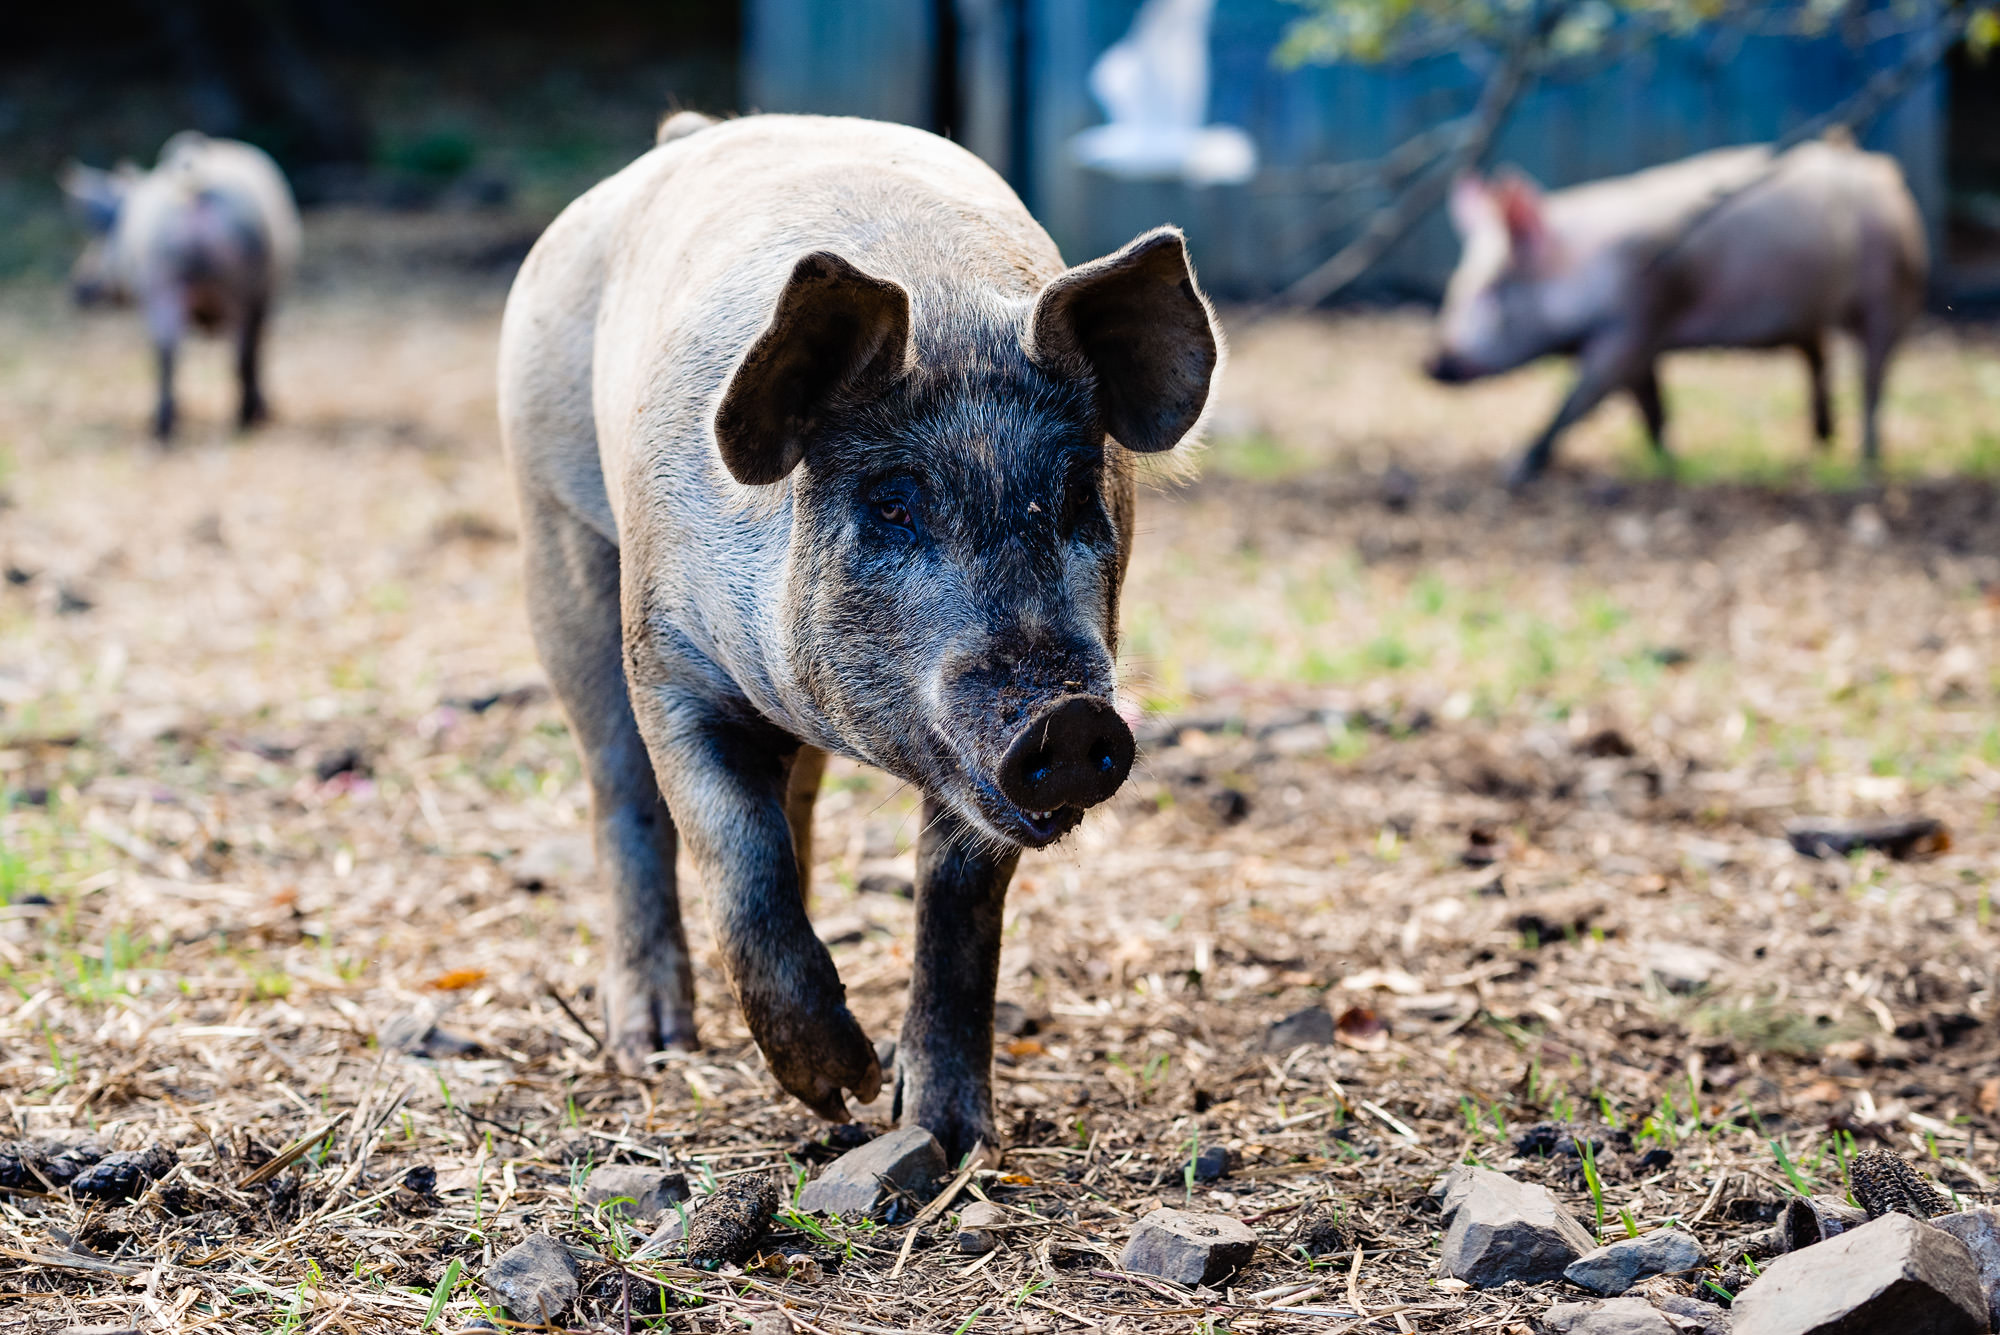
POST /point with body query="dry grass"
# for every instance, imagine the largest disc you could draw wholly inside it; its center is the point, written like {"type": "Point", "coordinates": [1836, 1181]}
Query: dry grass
{"type": "Point", "coordinates": [272, 735]}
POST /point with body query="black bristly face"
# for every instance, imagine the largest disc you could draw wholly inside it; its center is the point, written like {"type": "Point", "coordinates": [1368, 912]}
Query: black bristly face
{"type": "Point", "coordinates": [954, 569]}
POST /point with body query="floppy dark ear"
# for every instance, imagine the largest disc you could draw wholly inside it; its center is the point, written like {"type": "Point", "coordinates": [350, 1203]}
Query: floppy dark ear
{"type": "Point", "coordinates": [96, 194]}
{"type": "Point", "coordinates": [1137, 322]}
{"type": "Point", "coordinates": [837, 334]}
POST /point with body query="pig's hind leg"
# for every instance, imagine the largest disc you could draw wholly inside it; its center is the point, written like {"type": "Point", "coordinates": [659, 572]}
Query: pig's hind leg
{"type": "Point", "coordinates": [1814, 351]}
{"type": "Point", "coordinates": [572, 588]}
{"type": "Point", "coordinates": [945, 1056]}
{"type": "Point", "coordinates": [801, 792]}
{"type": "Point", "coordinates": [1652, 408]}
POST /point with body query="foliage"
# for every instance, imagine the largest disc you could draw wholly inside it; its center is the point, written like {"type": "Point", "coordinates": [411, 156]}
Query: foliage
{"type": "Point", "coordinates": [1378, 30]}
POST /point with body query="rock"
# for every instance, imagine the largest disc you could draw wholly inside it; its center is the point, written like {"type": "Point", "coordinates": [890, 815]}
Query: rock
{"type": "Point", "coordinates": [1012, 1020]}
{"type": "Point", "coordinates": [121, 1176]}
{"type": "Point", "coordinates": [1620, 1316]}
{"type": "Point", "coordinates": [977, 1228]}
{"type": "Point", "coordinates": [1211, 1164]}
{"type": "Point", "coordinates": [422, 1178]}
{"type": "Point", "coordinates": [1811, 1220]}
{"type": "Point", "coordinates": [725, 1229]}
{"type": "Point", "coordinates": [1979, 1230]}
{"type": "Point", "coordinates": [1885, 1184]}
{"type": "Point", "coordinates": [771, 1323]}
{"type": "Point", "coordinates": [887, 883]}
{"type": "Point", "coordinates": [1499, 1229]}
{"type": "Point", "coordinates": [416, 1032]}
{"type": "Point", "coordinates": [1890, 1276]}
{"type": "Point", "coordinates": [1911, 837]}
{"type": "Point", "coordinates": [1681, 967]}
{"type": "Point", "coordinates": [535, 1281]}
{"type": "Point", "coordinates": [666, 1238]}
{"type": "Point", "coordinates": [638, 1191]}
{"type": "Point", "coordinates": [1693, 1316]}
{"type": "Point", "coordinates": [1312, 1026]}
{"type": "Point", "coordinates": [1188, 1247]}
{"type": "Point", "coordinates": [1613, 1269]}
{"type": "Point", "coordinates": [565, 859]}
{"type": "Point", "coordinates": [862, 1180]}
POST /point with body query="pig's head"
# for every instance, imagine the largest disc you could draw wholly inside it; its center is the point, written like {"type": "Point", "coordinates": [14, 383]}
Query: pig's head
{"type": "Point", "coordinates": [1498, 310]}
{"type": "Point", "coordinates": [961, 469]}
{"type": "Point", "coordinates": [96, 196]}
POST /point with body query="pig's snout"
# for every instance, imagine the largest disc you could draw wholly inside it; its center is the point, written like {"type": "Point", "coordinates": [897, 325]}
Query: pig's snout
{"type": "Point", "coordinates": [1447, 368]}
{"type": "Point", "coordinates": [1073, 754]}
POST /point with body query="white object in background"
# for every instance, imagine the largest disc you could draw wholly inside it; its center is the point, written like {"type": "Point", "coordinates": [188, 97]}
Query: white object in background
{"type": "Point", "coordinates": [1154, 87]}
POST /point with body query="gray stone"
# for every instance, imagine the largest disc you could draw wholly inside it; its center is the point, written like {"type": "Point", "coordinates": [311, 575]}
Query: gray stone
{"type": "Point", "coordinates": [1613, 1269]}
{"type": "Point", "coordinates": [1188, 1247]}
{"type": "Point", "coordinates": [1500, 1229]}
{"type": "Point", "coordinates": [771, 1323]}
{"type": "Point", "coordinates": [535, 1281]}
{"type": "Point", "coordinates": [638, 1191]}
{"type": "Point", "coordinates": [666, 1238]}
{"type": "Point", "coordinates": [1979, 1230]}
{"type": "Point", "coordinates": [1891, 1276]}
{"type": "Point", "coordinates": [1620, 1316]}
{"type": "Point", "coordinates": [978, 1228]}
{"type": "Point", "coordinates": [1312, 1027]}
{"type": "Point", "coordinates": [862, 1180]}
{"type": "Point", "coordinates": [1681, 967]}
{"type": "Point", "coordinates": [563, 860]}
{"type": "Point", "coordinates": [1692, 1316]}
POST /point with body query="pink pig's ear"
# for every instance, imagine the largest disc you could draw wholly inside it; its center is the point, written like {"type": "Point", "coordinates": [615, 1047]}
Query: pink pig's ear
{"type": "Point", "coordinates": [1471, 204]}
{"type": "Point", "coordinates": [1520, 202]}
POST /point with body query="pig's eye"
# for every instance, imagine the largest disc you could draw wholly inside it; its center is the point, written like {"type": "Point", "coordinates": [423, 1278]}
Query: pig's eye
{"type": "Point", "coordinates": [893, 511]}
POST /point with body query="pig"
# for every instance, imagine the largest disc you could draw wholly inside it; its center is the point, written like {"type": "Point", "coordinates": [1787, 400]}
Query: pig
{"type": "Point", "coordinates": [820, 450]}
{"type": "Point", "coordinates": [207, 238]}
{"type": "Point", "coordinates": [1734, 248]}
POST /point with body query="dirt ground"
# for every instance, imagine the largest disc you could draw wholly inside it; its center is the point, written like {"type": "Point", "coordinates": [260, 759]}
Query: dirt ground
{"type": "Point", "coordinates": [291, 845]}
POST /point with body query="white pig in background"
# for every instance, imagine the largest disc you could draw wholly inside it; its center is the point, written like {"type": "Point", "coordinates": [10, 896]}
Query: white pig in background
{"type": "Point", "coordinates": [1726, 249]}
{"type": "Point", "coordinates": [206, 239]}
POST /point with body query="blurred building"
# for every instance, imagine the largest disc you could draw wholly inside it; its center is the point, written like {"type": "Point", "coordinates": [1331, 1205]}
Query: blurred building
{"type": "Point", "coordinates": [1011, 79]}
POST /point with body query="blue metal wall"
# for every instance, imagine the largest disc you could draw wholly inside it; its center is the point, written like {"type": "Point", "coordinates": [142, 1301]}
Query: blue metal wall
{"type": "Point", "coordinates": [1672, 99]}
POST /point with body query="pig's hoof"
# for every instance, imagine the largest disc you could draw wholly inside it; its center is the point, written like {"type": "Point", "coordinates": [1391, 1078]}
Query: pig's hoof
{"type": "Point", "coordinates": [819, 1069]}
{"type": "Point", "coordinates": [961, 1122]}
{"type": "Point", "coordinates": [641, 1018]}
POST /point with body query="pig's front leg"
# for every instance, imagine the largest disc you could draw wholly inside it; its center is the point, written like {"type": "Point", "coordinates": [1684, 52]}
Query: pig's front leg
{"type": "Point", "coordinates": [726, 786]}
{"type": "Point", "coordinates": [1613, 358]}
{"type": "Point", "coordinates": [945, 1056]}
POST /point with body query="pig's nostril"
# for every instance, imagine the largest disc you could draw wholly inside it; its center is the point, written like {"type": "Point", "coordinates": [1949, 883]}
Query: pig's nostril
{"type": "Point", "coordinates": [1074, 753]}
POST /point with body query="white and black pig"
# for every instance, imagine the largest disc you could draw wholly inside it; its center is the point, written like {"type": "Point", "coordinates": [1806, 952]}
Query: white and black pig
{"type": "Point", "coordinates": [204, 240]}
{"type": "Point", "coordinates": [1726, 249]}
{"type": "Point", "coordinates": [820, 448]}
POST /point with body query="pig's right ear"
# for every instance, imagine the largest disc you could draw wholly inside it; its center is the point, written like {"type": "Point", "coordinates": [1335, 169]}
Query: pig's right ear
{"type": "Point", "coordinates": [1136, 322]}
{"type": "Point", "coordinates": [838, 335]}
{"type": "Point", "coordinates": [96, 194]}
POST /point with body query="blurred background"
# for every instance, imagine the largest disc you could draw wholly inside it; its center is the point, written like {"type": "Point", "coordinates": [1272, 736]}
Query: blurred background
{"type": "Point", "coordinates": [1324, 113]}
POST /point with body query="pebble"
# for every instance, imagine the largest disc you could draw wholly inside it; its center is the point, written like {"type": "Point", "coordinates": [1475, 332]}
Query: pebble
{"type": "Point", "coordinates": [1890, 1276]}
{"type": "Point", "coordinates": [1188, 1247]}
{"type": "Point", "coordinates": [1212, 1164]}
{"type": "Point", "coordinates": [563, 860]}
{"type": "Point", "coordinates": [640, 1191]}
{"type": "Point", "coordinates": [1615, 1268]}
{"type": "Point", "coordinates": [1312, 1027]}
{"type": "Point", "coordinates": [535, 1281]}
{"type": "Point", "coordinates": [1497, 1229]}
{"type": "Point", "coordinates": [862, 1180]}
{"type": "Point", "coordinates": [1979, 1230]}
{"type": "Point", "coordinates": [771, 1323]}
{"type": "Point", "coordinates": [978, 1228]}
{"type": "Point", "coordinates": [1683, 968]}
{"type": "Point", "coordinates": [1620, 1316]}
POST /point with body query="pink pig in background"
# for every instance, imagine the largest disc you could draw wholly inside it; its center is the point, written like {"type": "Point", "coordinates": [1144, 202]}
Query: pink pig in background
{"type": "Point", "coordinates": [1733, 248]}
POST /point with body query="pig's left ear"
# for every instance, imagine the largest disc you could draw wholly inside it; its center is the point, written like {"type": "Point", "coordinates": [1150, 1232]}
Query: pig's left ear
{"type": "Point", "coordinates": [838, 335]}
{"type": "Point", "coordinates": [1136, 322]}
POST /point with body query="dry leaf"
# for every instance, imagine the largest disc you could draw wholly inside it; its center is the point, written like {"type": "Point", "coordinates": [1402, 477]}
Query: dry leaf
{"type": "Point", "coordinates": [1361, 1029]}
{"type": "Point", "coordinates": [457, 980]}
{"type": "Point", "coordinates": [1025, 1047]}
